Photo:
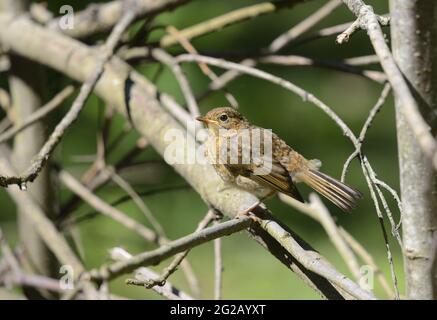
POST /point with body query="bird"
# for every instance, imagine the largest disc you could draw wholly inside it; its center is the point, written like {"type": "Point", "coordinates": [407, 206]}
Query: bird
{"type": "Point", "coordinates": [285, 166]}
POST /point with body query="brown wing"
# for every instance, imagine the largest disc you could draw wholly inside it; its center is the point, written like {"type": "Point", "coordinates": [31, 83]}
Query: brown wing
{"type": "Point", "coordinates": [279, 180]}
{"type": "Point", "coordinates": [262, 169]}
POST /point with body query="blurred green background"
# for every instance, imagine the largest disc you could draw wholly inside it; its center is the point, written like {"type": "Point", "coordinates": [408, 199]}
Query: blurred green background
{"type": "Point", "coordinates": [249, 271]}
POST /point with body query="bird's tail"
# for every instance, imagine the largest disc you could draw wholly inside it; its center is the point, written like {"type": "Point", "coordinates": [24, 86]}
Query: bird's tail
{"type": "Point", "coordinates": [335, 191]}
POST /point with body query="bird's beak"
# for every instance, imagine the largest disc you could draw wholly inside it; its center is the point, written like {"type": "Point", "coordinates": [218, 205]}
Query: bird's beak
{"type": "Point", "coordinates": [206, 120]}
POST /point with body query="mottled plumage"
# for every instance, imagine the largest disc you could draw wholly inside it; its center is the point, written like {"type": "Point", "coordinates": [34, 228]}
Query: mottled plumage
{"type": "Point", "coordinates": [286, 166]}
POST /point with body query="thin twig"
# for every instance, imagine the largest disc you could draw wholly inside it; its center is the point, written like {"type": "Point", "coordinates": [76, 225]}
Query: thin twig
{"type": "Point", "coordinates": [394, 226]}
{"type": "Point", "coordinates": [282, 40]}
{"type": "Point", "coordinates": [75, 186]}
{"type": "Point", "coordinates": [357, 25]}
{"type": "Point", "coordinates": [370, 176]}
{"type": "Point", "coordinates": [185, 43]}
{"type": "Point", "coordinates": [98, 179]}
{"type": "Point", "coordinates": [39, 114]}
{"type": "Point", "coordinates": [368, 259]}
{"type": "Point", "coordinates": [122, 183]}
{"type": "Point", "coordinates": [376, 108]}
{"type": "Point", "coordinates": [161, 279]}
{"type": "Point", "coordinates": [168, 60]}
{"type": "Point", "coordinates": [224, 20]}
{"type": "Point", "coordinates": [362, 60]}
{"type": "Point", "coordinates": [381, 222]}
{"type": "Point", "coordinates": [394, 195]}
{"type": "Point", "coordinates": [36, 281]}
{"type": "Point", "coordinates": [141, 274]}
{"type": "Point", "coordinates": [218, 267]}
{"type": "Point", "coordinates": [293, 60]}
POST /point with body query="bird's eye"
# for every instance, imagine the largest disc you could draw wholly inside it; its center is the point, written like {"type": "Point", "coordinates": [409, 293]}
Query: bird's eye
{"type": "Point", "coordinates": [223, 118]}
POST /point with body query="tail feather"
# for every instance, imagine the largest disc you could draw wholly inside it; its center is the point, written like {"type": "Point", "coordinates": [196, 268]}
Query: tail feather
{"type": "Point", "coordinates": [335, 191]}
{"type": "Point", "coordinates": [344, 203]}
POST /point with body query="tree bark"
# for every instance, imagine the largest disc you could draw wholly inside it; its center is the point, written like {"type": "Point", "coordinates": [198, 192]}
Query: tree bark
{"type": "Point", "coordinates": [414, 45]}
{"type": "Point", "coordinates": [27, 85]}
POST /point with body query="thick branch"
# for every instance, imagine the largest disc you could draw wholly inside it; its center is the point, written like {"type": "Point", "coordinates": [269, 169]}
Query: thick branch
{"type": "Point", "coordinates": [414, 34]}
{"type": "Point", "coordinates": [98, 18]}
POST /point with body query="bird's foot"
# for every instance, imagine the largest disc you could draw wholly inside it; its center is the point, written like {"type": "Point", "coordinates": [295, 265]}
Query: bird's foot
{"type": "Point", "coordinates": [248, 212]}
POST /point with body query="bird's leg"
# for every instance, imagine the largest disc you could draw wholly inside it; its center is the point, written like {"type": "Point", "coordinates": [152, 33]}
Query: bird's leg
{"type": "Point", "coordinates": [248, 212]}
{"type": "Point", "coordinates": [217, 214]}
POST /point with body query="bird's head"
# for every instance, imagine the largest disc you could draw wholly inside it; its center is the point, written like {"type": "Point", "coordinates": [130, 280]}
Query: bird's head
{"type": "Point", "coordinates": [224, 118]}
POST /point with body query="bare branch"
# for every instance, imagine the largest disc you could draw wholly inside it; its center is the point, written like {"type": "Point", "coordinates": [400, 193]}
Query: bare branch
{"type": "Point", "coordinates": [142, 274]}
{"type": "Point", "coordinates": [98, 18]}
{"type": "Point", "coordinates": [171, 248]}
{"type": "Point", "coordinates": [139, 202]}
{"type": "Point", "coordinates": [39, 114]}
{"type": "Point", "coordinates": [226, 19]}
{"type": "Point", "coordinates": [303, 26]}
{"type": "Point", "coordinates": [168, 60]}
{"type": "Point", "coordinates": [366, 127]}
{"type": "Point", "coordinates": [161, 279]}
{"type": "Point", "coordinates": [381, 222]}
{"type": "Point", "coordinates": [218, 267]}
{"type": "Point", "coordinates": [293, 60]}
{"type": "Point", "coordinates": [185, 43]}
{"type": "Point", "coordinates": [112, 212]}
{"type": "Point", "coordinates": [107, 209]}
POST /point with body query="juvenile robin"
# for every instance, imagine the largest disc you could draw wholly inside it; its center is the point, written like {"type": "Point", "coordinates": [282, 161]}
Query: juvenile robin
{"type": "Point", "coordinates": [285, 166]}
